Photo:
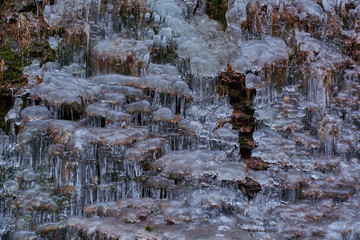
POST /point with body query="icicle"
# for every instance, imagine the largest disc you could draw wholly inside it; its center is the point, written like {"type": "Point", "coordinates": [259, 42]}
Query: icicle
{"type": "Point", "coordinates": [37, 8]}
{"type": "Point", "coordinates": [87, 9]}
{"type": "Point", "coordinates": [324, 29]}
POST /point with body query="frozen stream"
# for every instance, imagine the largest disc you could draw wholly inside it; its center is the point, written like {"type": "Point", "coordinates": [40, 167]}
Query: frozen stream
{"type": "Point", "coordinates": [158, 123]}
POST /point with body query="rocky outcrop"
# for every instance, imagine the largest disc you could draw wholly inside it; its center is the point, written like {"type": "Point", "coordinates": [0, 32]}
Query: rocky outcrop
{"type": "Point", "coordinates": [183, 120]}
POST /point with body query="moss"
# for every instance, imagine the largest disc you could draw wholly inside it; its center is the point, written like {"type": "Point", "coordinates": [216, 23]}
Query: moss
{"type": "Point", "coordinates": [12, 62]}
{"type": "Point", "coordinates": [40, 51]}
{"type": "Point", "coordinates": [302, 195]}
{"type": "Point", "coordinates": [148, 228]}
{"type": "Point", "coordinates": [244, 141]}
{"type": "Point", "coordinates": [216, 10]}
{"type": "Point", "coordinates": [234, 93]}
{"type": "Point", "coordinates": [239, 105]}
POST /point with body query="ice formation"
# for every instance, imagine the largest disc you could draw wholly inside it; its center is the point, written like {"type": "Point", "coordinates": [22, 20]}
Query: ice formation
{"type": "Point", "coordinates": [161, 123]}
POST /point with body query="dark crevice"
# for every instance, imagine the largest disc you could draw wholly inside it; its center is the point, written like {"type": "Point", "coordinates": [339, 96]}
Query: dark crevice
{"type": "Point", "coordinates": [216, 9]}
{"type": "Point", "coordinates": [6, 103]}
{"type": "Point", "coordinates": [241, 97]}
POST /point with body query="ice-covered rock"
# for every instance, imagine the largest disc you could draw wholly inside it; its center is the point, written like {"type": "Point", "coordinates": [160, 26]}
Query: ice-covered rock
{"type": "Point", "coordinates": [198, 164]}
{"type": "Point", "coordinates": [99, 110]}
{"type": "Point", "coordinates": [258, 54]}
{"type": "Point", "coordinates": [164, 114]}
{"type": "Point", "coordinates": [143, 107]}
{"type": "Point", "coordinates": [61, 88]}
{"type": "Point", "coordinates": [143, 150]}
{"type": "Point", "coordinates": [84, 137]}
{"type": "Point", "coordinates": [119, 56]}
{"type": "Point", "coordinates": [321, 65]}
{"type": "Point", "coordinates": [161, 79]}
{"type": "Point", "coordinates": [35, 113]}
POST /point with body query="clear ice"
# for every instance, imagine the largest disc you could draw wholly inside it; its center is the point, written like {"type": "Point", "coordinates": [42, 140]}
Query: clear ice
{"type": "Point", "coordinates": [128, 137]}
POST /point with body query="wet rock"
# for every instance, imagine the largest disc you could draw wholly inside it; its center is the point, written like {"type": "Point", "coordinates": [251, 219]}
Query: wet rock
{"type": "Point", "coordinates": [256, 164]}
{"type": "Point", "coordinates": [249, 187]}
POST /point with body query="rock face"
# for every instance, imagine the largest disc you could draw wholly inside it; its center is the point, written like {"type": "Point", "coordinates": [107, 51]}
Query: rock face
{"type": "Point", "coordinates": [24, 35]}
{"type": "Point", "coordinates": [173, 119]}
